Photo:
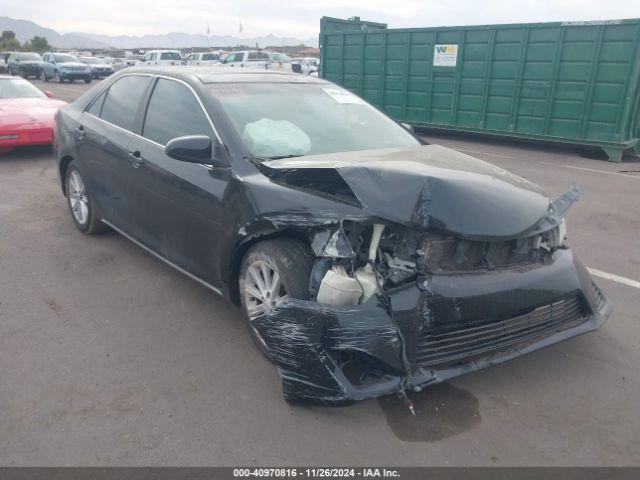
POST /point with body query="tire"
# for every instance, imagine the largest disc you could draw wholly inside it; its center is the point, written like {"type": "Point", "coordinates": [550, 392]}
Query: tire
{"type": "Point", "coordinates": [87, 80]}
{"type": "Point", "coordinates": [88, 223]}
{"type": "Point", "coordinates": [58, 78]}
{"type": "Point", "coordinates": [43, 77]}
{"type": "Point", "coordinates": [291, 259]}
{"type": "Point", "coordinates": [21, 73]}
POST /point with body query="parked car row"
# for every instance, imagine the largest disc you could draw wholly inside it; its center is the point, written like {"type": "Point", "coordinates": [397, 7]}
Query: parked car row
{"type": "Point", "coordinates": [245, 58]}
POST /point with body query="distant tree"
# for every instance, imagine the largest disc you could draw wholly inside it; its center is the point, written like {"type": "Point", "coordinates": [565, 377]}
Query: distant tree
{"type": "Point", "coordinates": [8, 41]}
{"type": "Point", "coordinates": [37, 44]}
{"type": "Point", "coordinates": [7, 35]}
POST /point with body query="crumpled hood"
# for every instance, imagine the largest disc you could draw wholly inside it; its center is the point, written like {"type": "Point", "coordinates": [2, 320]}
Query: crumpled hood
{"type": "Point", "coordinates": [433, 187]}
{"type": "Point", "coordinates": [18, 113]}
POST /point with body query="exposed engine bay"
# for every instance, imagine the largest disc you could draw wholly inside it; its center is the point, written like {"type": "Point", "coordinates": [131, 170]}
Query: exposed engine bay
{"type": "Point", "coordinates": [360, 261]}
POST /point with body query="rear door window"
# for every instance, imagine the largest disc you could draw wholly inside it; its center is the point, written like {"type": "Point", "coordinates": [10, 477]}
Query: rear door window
{"type": "Point", "coordinates": [258, 56]}
{"type": "Point", "coordinates": [123, 100]}
{"type": "Point", "coordinates": [173, 111]}
{"type": "Point", "coordinates": [169, 56]}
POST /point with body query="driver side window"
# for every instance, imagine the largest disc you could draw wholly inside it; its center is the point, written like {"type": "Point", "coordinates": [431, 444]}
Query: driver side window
{"type": "Point", "coordinates": [173, 111]}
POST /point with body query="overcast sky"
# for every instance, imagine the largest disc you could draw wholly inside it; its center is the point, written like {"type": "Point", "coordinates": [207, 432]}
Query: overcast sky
{"type": "Point", "coordinates": [298, 18]}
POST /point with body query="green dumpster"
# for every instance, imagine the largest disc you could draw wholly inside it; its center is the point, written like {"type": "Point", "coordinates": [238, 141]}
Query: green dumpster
{"type": "Point", "coordinates": [571, 82]}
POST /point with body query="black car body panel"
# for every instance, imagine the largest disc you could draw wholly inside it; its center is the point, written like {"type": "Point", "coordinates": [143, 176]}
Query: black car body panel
{"type": "Point", "coordinates": [482, 294]}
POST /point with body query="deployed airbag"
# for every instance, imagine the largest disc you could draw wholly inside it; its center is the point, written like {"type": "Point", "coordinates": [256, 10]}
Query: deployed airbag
{"type": "Point", "coordinates": [275, 138]}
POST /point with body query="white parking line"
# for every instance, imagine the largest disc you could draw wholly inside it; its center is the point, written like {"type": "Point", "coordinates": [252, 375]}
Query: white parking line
{"type": "Point", "coordinates": [476, 152]}
{"type": "Point", "coordinates": [595, 170]}
{"type": "Point", "coordinates": [614, 278]}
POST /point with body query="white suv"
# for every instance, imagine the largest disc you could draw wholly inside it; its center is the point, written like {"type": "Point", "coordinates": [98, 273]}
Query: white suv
{"type": "Point", "coordinates": [247, 58]}
{"type": "Point", "coordinates": [161, 57]}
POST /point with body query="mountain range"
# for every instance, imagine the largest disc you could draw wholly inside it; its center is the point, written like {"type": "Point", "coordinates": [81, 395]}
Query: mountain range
{"type": "Point", "coordinates": [26, 30]}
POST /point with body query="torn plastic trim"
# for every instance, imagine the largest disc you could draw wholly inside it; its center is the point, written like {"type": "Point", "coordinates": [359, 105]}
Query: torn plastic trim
{"type": "Point", "coordinates": [302, 334]}
{"type": "Point", "coordinates": [556, 211]}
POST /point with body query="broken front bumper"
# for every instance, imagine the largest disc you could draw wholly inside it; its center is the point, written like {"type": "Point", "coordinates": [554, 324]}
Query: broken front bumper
{"type": "Point", "coordinates": [440, 327]}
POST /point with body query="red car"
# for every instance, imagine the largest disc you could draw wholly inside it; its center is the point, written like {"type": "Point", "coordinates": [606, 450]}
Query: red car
{"type": "Point", "coordinates": [26, 114]}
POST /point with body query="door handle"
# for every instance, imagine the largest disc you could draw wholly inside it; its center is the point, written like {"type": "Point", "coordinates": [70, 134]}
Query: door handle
{"type": "Point", "coordinates": [136, 159]}
{"type": "Point", "coordinates": [80, 133]}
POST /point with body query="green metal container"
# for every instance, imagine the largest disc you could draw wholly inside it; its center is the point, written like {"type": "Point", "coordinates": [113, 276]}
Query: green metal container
{"type": "Point", "coordinates": [573, 82]}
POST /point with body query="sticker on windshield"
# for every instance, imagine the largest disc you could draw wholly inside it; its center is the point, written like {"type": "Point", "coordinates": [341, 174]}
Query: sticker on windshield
{"type": "Point", "coordinates": [343, 96]}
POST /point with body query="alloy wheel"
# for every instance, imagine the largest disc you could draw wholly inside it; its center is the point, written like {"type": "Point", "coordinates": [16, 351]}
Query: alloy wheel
{"type": "Point", "coordinates": [263, 289]}
{"type": "Point", "coordinates": [78, 200]}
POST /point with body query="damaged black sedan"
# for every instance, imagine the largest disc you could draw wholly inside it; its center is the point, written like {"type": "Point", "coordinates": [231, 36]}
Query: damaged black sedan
{"type": "Point", "coordinates": [365, 262]}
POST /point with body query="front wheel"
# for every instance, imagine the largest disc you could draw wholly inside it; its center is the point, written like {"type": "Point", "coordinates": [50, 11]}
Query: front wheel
{"type": "Point", "coordinates": [43, 77]}
{"type": "Point", "coordinates": [272, 272]}
{"type": "Point", "coordinates": [87, 80]}
{"type": "Point", "coordinates": [80, 203]}
{"type": "Point", "coordinates": [57, 78]}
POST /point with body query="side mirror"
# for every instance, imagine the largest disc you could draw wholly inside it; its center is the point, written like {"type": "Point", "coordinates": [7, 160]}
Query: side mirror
{"type": "Point", "coordinates": [196, 149]}
{"type": "Point", "coordinates": [408, 127]}
{"type": "Point", "coordinates": [49, 94]}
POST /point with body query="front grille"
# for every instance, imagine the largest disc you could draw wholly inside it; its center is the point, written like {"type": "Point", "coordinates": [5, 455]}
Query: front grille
{"type": "Point", "coordinates": [441, 345]}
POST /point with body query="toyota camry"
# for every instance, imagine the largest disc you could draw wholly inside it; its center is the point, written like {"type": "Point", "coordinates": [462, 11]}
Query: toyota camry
{"type": "Point", "coordinates": [364, 261]}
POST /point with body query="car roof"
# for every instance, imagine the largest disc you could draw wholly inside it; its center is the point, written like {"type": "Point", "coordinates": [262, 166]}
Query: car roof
{"type": "Point", "coordinates": [213, 74]}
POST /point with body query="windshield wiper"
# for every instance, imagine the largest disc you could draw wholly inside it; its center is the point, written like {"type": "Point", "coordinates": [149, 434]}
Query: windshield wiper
{"type": "Point", "coordinates": [276, 157]}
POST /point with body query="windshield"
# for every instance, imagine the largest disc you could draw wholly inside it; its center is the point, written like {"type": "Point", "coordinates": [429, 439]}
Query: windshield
{"type": "Point", "coordinates": [64, 58]}
{"type": "Point", "coordinates": [18, 88]}
{"type": "Point", "coordinates": [90, 60]}
{"type": "Point", "coordinates": [169, 56]}
{"type": "Point", "coordinates": [29, 57]}
{"type": "Point", "coordinates": [286, 119]}
{"type": "Point", "coordinates": [210, 56]}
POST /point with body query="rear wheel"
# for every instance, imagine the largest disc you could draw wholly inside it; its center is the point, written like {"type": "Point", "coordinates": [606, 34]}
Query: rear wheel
{"type": "Point", "coordinates": [272, 272]}
{"type": "Point", "coordinates": [80, 203]}
{"type": "Point", "coordinates": [87, 80]}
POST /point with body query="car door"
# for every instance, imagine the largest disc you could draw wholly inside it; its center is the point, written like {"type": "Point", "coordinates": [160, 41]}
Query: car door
{"type": "Point", "coordinates": [177, 206]}
{"type": "Point", "coordinates": [102, 140]}
{"type": "Point", "coordinates": [47, 65]}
